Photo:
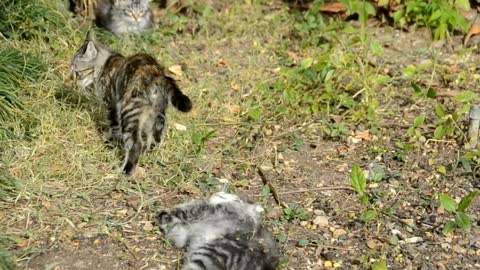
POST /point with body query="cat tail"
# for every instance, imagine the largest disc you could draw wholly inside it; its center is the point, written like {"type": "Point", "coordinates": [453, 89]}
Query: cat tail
{"type": "Point", "coordinates": [178, 99]}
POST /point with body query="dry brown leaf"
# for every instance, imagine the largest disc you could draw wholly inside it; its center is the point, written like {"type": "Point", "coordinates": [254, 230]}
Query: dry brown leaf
{"type": "Point", "coordinates": [343, 149]}
{"type": "Point", "coordinates": [234, 108]}
{"type": "Point", "coordinates": [15, 172]}
{"type": "Point", "coordinates": [454, 68]}
{"type": "Point", "coordinates": [365, 135]}
{"type": "Point", "coordinates": [451, 93]}
{"type": "Point", "coordinates": [474, 30]}
{"type": "Point", "coordinates": [190, 189]}
{"type": "Point", "coordinates": [222, 62]}
{"type": "Point", "coordinates": [177, 70]}
{"type": "Point", "coordinates": [139, 173]}
{"type": "Point", "coordinates": [22, 243]}
{"type": "Point", "coordinates": [47, 205]}
{"type": "Point", "coordinates": [235, 87]}
{"type": "Point", "coordinates": [333, 8]}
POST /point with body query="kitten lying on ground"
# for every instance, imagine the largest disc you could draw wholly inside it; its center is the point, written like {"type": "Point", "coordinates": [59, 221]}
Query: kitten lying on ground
{"type": "Point", "coordinates": [136, 92]}
{"type": "Point", "coordinates": [224, 233]}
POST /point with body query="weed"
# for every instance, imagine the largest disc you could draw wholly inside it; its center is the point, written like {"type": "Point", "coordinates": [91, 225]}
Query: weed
{"type": "Point", "coordinates": [359, 184]}
{"type": "Point", "coordinates": [441, 15]}
{"type": "Point", "coordinates": [9, 187]}
{"type": "Point", "coordinates": [295, 214]}
{"type": "Point", "coordinates": [462, 220]}
{"type": "Point", "coordinates": [6, 262]}
{"type": "Point", "coordinates": [30, 19]}
{"type": "Point", "coordinates": [417, 123]}
{"type": "Point", "coordinates": [402, 151]}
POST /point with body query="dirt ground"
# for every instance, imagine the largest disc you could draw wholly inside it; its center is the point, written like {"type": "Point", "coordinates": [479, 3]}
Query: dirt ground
{"type": "Point", "coordinates": [76, 211]}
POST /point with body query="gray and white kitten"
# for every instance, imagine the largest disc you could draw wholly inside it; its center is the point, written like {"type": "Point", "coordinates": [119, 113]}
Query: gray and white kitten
{"type": "Point", "coordinates": [124, 16]}
{"type": "Point", "coordinates": [224, 233]}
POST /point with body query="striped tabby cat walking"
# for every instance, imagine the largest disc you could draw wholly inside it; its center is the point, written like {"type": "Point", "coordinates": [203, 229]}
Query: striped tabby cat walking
{"type": "Point", "coordinates": [136, 92]}
{"type": "Point", "coordinates": [224, 233]}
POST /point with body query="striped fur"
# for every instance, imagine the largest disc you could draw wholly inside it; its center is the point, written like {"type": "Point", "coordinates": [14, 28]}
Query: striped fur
{"type": "Point", "coordinates": [124, 16]}
{"type": "Point", "coordinates": [136, 92]}
{"type": "Point", "coordinates": [225, 234]}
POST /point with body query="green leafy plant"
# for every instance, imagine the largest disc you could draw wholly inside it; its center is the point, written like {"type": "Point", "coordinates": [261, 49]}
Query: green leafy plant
{"type": "Point", "coordinates": [447, 121]}
{"type": "Point", "coordinates": [6, 263]}
{"type": "Point", "coordinates": [208, 183]}
{"type": "Point", "coordinates": [359, 184]}
{"type": "Point", "coordinates": [441, 15]}
{"type": "Point", "coordinates": [295, 214]}
{"type": "Point", "coordinates": [417, 123]}
{"type": "Point", "coordinates": [9, 187]}
{"type": "Point", "coordinates": [402, 150]}
{"type": "Point", "coordinates": [200, 137]}
{"type": "Point", "coordinates": [461, 220]}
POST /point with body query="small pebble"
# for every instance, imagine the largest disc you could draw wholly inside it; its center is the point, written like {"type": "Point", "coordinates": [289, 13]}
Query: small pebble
{"type": "Point", "coordinates": [459, 249]}
{"type": "Point", "coordinates": [413, 240]}
{"type": "Point", "coordinates": [321, 221]}
{"type": "Point", "coordinates": [339, 232]}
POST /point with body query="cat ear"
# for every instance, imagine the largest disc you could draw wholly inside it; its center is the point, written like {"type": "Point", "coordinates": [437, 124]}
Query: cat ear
{"type": "Point", "coordinates": [91, 51]}
{"type": "Point", "coordinates": [90, 36]}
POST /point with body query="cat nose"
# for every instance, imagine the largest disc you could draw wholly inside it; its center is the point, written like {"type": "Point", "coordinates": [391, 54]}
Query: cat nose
{"type": "Point", "coordinates": [136, 16]}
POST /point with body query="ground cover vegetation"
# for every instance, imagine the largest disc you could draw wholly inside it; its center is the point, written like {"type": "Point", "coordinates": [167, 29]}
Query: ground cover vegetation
{"type": "Point", "coordinates": [350, 129]}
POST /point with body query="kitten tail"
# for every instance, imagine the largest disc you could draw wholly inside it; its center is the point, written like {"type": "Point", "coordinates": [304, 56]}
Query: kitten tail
{"type": "Point", "coordinates": [178, 99]}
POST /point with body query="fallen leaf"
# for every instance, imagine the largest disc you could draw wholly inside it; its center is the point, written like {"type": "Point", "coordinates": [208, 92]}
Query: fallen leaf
{"type": "Point", "coordinates": [22, 243]}
{"type": "Point", "coordinates": [274, 214]}
{"type": "Point", "coordinates": [365, 135]}
{"type": "Point", "coordinates": [235, 87]}
{"type": "Point", "coordinates": [222, 62]}
{"type": "Point", "coordinates": [343, 149]}
{"type": "Point", "coordinates": [454, 68]}
{"type": "Point", "coordinates": [15, 172]}
{"type": "Point", "coordinates": [148, 226]}
{"type": "Point", "coordinates": [177, 70]}
{"type": "Point", "coordinates": [47, 205]}
{"type": "Point", "coordinates": [139, 173]}
{"type": "Point", "coordinates": [328, 264]}
{"type": "Point", "coordinates": [180, 127]}
{"type": "Point", "coordinates": [234, 108]}
{"type": "Point", "coordinates": [451, 93]}
{"type": "Point", "coordinates": [333, 8]}
{"type": "Point", "coordinates": [474, 30]}
{"type": "Point", "coordinates": [190, 189]}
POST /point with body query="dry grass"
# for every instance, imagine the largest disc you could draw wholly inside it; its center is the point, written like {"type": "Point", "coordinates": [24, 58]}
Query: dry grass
{"type": "Point", "coordinates": [72, 200]}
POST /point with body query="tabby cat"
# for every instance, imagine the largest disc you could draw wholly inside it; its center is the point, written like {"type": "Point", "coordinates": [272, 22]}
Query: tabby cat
{"type": "Point", "coordinates": [136, 92]}
{"type": "Point", "coordinates": [124, 16]}
{"type": "Point", "coordinates": [224, 233]}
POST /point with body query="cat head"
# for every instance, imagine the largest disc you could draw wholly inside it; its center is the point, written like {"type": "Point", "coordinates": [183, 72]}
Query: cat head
{"type": "Point", "coordinates": [134, 11]}
{"type": "Point", "coordinates": [243, 207]}
{"type": "Point", "coordinates": [88, 61]}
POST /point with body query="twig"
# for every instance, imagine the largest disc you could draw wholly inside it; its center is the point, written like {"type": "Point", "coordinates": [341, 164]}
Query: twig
{"type": "Point", "coordinates": [127, 247]}
{"type": "Point", "coordinates": [316, 189]}
{"type": "Point", "coordinates": [265, 181]}
{"type": "Point", "coordinates": [335, 247]}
